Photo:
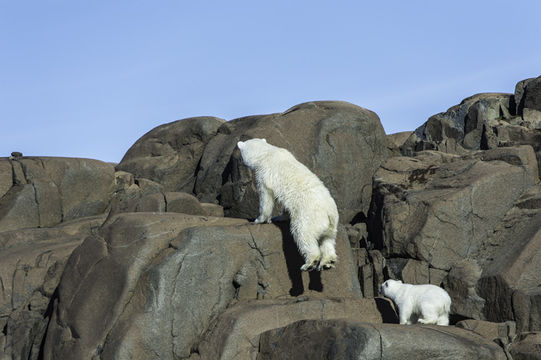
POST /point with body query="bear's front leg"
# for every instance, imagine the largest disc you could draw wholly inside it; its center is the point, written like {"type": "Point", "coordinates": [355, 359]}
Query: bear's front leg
{"type": "Point", "coordinates": [266, 204]}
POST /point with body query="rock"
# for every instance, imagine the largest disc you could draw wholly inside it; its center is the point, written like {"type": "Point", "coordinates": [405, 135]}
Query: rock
{"type": "Point", "coordinates": [440, 208]}
{"type": "Point", "coordinates": [341, 143]}
{"type": "Point", "coordinates": [184, 203]}
{"type": "Point", "coordinates": [31, 264]}
{"type": "Point", "coordinates": [460, 127]}
{"type": "Point", "coordinates": [212, 209]}
{"type": "Point", "coordinates": [217, 261]}
{"type": "Point", "coordinates": [6, 177]}
{"type": "Point", "coordinates": [236, 333]}
{"type": "Point", "coordinates": [528, 347]}
{"type": "Point", "coordinates": [530, 97]}
{"type": "Point", "coordinates": [46, 191]}
{"type": "Point", "coordinates": [461, 284]}
{"type": "Point", "coordinates": [395, 142]}
{"type": "Point", "coordinates": [484, 121]}
{"type": "Point", "coordinates": [350, 339]}
{"type": "Point", "coordinates": [169, 154]}
{"type": "Point", "coordinates": [506, 331]}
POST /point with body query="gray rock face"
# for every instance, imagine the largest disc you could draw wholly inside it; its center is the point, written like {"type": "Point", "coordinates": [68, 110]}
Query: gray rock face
{"type": "Point", "coordinates": [440, 208]}
{"type": "Point", "coordinates": [141, 264]}
{"type": "Point", "coordinates": [341, 143]}
{"type": "Point", "coordinates": [46, 191]}
{"type": "Point", "coordinates": [342, 339]}
{"type": "Point", "coordinates": [31, 264]}
{"type": "Point", "coordinates": [170, 153]}
{"type": "Point", "coordinates": [150, 308]}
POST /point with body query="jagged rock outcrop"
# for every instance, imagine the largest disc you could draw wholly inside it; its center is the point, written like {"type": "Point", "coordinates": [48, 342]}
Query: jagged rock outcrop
{"type": "Point", "coordinates": [44, 191]}
{"type": "Point", "coordinates": [141, 263]}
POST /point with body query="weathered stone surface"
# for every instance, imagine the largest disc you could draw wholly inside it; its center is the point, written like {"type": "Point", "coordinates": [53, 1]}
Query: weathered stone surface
{"type": "Point", "coordinates": [343, 339]}
{"type": "Point", "coordinates": [341, 143]}
{"type": "Point", "coordinates": [47, 191]}
{"type": "Point", "coordinates": [31, 264]}
{"type": "Point", "coordinates": [169, 154]}
{"type": "Point", "coordinates": [150, 309]}
{"type": "Point", "coordinates": [183, 203]}
{"type": "Point", "coordinates": [461, 284]}
{"type": "Point", "coordinates": [461, 126]}
{"type": "Point", "coordinates": [395, 141]}
{"type": "Point", "coordinates": [506, 331]}
{"type": "Point", "coordinates": [6, 177]}
{"type": "Point", "coordinates": [236, 333]}
{"type": "Point", "coordinates": [528, 347]}
{"type": "Point", "coordinates": [440, 208]}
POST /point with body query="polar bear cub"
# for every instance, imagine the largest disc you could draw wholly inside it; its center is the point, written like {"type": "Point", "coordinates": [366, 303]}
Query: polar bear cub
{"type": "Point", "coordinates": [313, 212]}
{"type": "Point", "coordinates": [428, 304]}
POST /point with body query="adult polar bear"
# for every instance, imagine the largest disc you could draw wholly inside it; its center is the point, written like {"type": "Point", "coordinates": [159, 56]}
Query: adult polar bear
{"type": "Point", "coordinates": [430, 304]}
{"type": "Point", "coordinates": [313, 212]}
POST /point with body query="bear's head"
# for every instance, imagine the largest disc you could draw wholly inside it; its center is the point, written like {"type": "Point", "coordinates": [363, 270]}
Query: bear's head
{"type": "Point", "coordinates": [252, 151]}
{"type": "Point", "coordinates": [389, 287]}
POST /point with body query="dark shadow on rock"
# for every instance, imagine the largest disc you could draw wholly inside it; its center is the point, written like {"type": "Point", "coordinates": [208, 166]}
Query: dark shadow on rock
{"type": "Point", "coordinates": [454, 318]}
{"type": "Point", "coordinates": [294, 261]}
{"type": "Point", "coordinates": [388, 315]}
{"type": "Point", "coordinates": [315, 281]}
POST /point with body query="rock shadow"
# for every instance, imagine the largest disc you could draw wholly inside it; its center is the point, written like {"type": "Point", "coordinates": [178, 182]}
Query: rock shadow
{"type": "Point", "coordinates": [294, 261]}
{"type": "Point", "coordinates": [385, 308]}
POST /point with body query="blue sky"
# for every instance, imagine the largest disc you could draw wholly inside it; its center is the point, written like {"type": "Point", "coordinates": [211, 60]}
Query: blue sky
{"type": "Point", "coordinates": [88, 78]}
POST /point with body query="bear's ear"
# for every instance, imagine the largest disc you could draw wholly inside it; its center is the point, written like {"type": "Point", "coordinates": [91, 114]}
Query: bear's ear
{"type": "Point", "coordinates": [241, 145]}
{"type": "Point", "coordinates": [264, 140]}
{"type": "Point", "coordinates": [400, 281]}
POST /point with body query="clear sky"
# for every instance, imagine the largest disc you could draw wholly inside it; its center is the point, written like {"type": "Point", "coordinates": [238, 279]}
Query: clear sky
{"type": "Point", "coordinates": [87, 78]}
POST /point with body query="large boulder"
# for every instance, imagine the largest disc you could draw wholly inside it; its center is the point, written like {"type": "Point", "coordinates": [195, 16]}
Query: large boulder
{"type": "Point", "coordinates": [440, 208]}
{"type": "Point", "coordinates": [350, 339]}
{"type": "Point", "coordinates": [236, 333]}
{"type": "Point", "coordinates": [45, 191]}
{"type": "Point", "coordinates": [169, 154]}
{"type": "Point", "coordinates": [169, 276]}
{"type": "Point", "coordinates": [341, 143]}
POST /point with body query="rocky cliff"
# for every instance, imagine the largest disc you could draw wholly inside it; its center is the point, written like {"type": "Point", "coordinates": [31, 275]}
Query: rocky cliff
{"type": "Point", "coordinates": [155, 258]}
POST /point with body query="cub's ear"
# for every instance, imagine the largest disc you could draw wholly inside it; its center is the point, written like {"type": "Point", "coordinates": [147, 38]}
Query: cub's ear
{"type": "Point", "coordinates": [400, 281]}
{"type": "Point", "coordinates": [241, 145]}
{"type": "Point", "coordinates": [265, 140]}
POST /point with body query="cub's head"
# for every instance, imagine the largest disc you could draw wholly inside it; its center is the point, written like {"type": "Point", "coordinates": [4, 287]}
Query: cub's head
{"type": "Point", "coordinates": [251, 150]}
{"type": "Point", "coordinates": [390, 287]}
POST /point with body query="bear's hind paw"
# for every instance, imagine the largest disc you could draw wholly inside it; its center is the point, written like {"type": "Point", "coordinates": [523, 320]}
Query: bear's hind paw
{"type": "Point", "coordinates": [310, 266]}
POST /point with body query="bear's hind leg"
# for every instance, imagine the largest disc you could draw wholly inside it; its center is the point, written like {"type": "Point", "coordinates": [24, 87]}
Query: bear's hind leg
{"type": "Point", "coordinates": [328, 254]}
{"type": "Point", "coordinates": [309, 249]}
{"type": "Point", "coordinates": [429, 315]}
{"type": "Point", "coordinates": [443, 320]}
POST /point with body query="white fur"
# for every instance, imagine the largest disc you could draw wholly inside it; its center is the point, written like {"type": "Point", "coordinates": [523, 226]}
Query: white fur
{"type": "Point", "coordinates": [428, 304]}
{"type": "Point", "coordinates": [313, 212]}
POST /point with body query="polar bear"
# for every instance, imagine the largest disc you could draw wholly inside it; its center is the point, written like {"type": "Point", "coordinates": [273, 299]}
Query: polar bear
{"type": "Point", "coordinates": [313, 212]}
{"type": "Point", "coordinates": [428, 304]}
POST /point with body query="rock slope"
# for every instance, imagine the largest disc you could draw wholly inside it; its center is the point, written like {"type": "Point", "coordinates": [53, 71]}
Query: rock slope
{"type": "Point", "coordinates": [138, 261]}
